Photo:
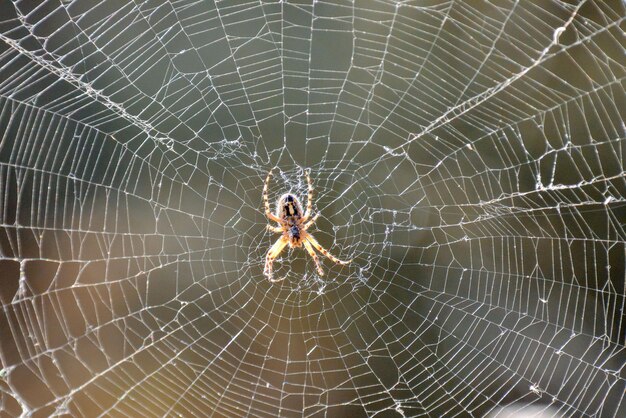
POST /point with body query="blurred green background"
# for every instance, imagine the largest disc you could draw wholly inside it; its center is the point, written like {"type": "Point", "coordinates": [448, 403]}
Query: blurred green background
{"type": "Point", "coordinates": [468, 155]}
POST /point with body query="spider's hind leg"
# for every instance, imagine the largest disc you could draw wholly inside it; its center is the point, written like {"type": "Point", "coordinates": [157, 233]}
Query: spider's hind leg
{"type": "Point", "coordinates": [309, 199]}
{"type": "Point", "coordinates": [310, 222]}
{"type": "Point", "coordinates": [266, 202]}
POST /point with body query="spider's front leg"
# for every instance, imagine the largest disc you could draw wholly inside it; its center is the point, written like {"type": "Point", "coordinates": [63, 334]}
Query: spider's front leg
{"type": "Point", "coordinates": [271, 256]}
{"type": "Point", "coordinates": [311, 252]}
{"type": "Point", "coordinates": [311, 239]}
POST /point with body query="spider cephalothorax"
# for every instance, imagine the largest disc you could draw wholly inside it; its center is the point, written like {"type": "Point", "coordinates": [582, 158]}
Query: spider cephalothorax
{"type": "Point", "coordinates": [293, 224]}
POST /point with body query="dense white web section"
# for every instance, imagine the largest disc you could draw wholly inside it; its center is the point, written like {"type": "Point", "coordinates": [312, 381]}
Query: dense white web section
{"type": "Point", "coordinates": [468, 156]}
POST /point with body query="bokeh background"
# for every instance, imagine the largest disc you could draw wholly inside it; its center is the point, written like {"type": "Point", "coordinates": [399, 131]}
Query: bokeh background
{"type": "Point", "coordinates": [469, 156]}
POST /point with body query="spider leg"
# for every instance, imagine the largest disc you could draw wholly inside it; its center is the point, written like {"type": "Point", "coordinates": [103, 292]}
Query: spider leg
{"type": "Point", "coordinates": [310, 222]}
{"type": "Point", "coordinates": [268, 212]}
{"type": "Point", "coordinates": [318, 247]}
{"type": "Point", "coordinates": [271, 255]}
{"type": "Point", "coordinates": [273, 228]}
{"type": "Point", "coordinates": [309, 248]}
{"type": "Point", "coordinates": [309, 199]}
{"type": "Point", "coordinates": [276, 280]}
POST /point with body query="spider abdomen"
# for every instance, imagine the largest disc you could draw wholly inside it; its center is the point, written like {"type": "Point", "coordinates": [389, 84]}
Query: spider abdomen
{"type": "Point", "coordinates": [289, 207]}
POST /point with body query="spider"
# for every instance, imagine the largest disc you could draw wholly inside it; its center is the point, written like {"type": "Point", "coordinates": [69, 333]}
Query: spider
{"type": "Point", "coordinates": [293, 225]}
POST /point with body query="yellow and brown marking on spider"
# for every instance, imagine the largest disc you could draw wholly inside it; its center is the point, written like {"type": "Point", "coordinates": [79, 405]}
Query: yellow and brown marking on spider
{"type": "Point", "coordinates": [293, 224]}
